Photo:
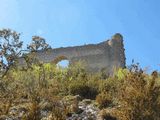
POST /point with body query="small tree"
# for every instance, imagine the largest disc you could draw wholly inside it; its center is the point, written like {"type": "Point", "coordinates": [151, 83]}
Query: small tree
{"type": "Point", "coordinates": [10, 49]}
{"type": "Point", "coordinates": [38, 43]}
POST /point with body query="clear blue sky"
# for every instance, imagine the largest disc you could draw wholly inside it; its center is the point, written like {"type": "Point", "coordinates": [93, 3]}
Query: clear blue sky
{"type": "Point", "coordinates": [78, 22]}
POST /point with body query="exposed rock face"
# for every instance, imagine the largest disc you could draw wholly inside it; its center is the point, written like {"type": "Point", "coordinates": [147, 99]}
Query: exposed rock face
{"type": "Point", "coordinates": [105, 55]}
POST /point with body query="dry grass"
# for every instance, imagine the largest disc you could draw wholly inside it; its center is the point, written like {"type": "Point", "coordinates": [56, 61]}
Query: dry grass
{"type": "Point", "coordinates": [130, 93]}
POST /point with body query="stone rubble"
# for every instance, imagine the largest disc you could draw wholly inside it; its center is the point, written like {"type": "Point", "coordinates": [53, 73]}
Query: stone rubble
{"type": "Point", "coordinates": [86, 111]}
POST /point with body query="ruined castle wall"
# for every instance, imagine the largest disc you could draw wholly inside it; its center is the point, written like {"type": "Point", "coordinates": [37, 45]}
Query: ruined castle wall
{"type": "Point", "coordinates": [107, 55]}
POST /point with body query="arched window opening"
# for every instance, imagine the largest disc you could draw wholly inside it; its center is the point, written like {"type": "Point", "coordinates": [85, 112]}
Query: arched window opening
{"type": "Point", "coordinates": [61, 61]}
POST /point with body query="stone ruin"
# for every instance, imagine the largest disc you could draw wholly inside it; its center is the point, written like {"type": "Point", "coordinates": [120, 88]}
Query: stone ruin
{"type": "Point", "coordinates": [108, 55]}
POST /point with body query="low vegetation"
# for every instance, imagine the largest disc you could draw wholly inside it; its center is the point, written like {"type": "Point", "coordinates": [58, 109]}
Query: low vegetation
{"type": "Point", "coordinates": [134, 95]}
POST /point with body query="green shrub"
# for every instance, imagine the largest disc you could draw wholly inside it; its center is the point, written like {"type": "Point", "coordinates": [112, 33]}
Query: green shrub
{"type": "Point", "coordinates": [82, 89]}
{"type": "Point", "coordinates": [139, 97]}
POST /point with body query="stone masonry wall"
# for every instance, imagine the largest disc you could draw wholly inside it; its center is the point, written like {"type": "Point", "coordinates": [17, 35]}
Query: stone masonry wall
{"type": "Point", "coordinates": [105, 55]}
